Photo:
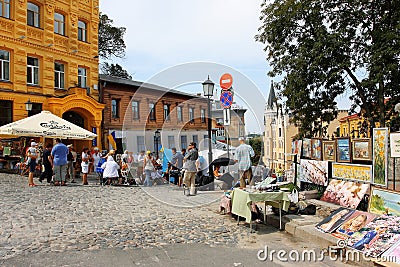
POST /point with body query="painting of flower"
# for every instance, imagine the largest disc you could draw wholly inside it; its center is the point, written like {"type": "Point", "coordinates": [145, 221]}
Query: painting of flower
{"type": "Point", "coordinates": [380, 152]}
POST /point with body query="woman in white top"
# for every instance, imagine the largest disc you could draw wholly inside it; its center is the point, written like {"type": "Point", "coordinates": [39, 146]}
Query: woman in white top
{"type": "Point", "coordinates": [85, 165]}
{"type": "Point", "coordinates": [148, 168]}
{"type": "Point", "coordinates": [96, 158]}
{"type": "Point", "coordinates": [110, 169]}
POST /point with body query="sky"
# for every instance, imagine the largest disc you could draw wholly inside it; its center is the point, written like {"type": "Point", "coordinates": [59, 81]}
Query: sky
{"type": "Point", "coordinates": [177, 44]}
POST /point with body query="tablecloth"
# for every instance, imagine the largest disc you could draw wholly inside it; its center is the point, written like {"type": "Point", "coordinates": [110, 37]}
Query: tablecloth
{"type": "Point", "coordinates": [241, 201]}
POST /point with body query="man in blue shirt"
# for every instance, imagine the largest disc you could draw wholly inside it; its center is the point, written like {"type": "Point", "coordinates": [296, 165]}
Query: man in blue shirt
{"type": "Point", "coordinates": [59, 162]}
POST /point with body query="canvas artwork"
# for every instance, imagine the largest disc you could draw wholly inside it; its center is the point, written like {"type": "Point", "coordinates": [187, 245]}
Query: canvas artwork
{"type": "Point", "coordinates": [345, 193]}
{"type": "Point", "coordinates": [362, 149]}
{"type": "Point", "coordinates": [384, 202]}
{"type": "Point", "coordinates": [306, 148]}
{"type": "Point", "coordinates": [380, 145]}
{"type": "Point", "coordinates": [343, 150]}
{"type": "Point", "coordinates": [314, 171]}
{"type": "Point", "coordinates": [316, 148]}
{"type": "Point", "coordinates": [377, 236]}
{"type": "Point", "coordinates": [353, 224]}
{"type": "Point", "coordinates": [352, 171]}
{"type": "Point", "coordinates": [328, 150]}
{"type": "Point", "coordinates": [393, 252]}
{"type": "Point", "coordinates": [332, 222]}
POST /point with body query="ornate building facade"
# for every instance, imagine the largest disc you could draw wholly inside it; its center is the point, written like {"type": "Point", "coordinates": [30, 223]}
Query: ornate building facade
{"type": "Point", "coordinates": [49, 56]}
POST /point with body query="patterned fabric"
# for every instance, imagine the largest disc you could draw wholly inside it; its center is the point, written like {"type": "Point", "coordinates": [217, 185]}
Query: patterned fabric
{"type": "Point", "coordinates": [243, 154]}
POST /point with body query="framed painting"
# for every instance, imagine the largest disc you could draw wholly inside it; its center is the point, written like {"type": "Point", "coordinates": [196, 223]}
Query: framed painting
{"type": "Point", "coordinates": [362, 149]}
{"type": "Point", "coordinates": [328, 150]}
{"type": "Point", "coordinates": [384, 202]}
{"type": "Point", "coordinates": [316, 148]}
{"type": "Point", "coordinates": [314, 171]}
{"type": "Point", "coordinates": [380, 156]}
{"type": "Point", "coordinates": [345, 193]}
{"type": "Point", "coordinates": [343, 152]}
{"type": "Point", "coordinates": [350, 171]}
{"type": "Point", "coordinates": [306, 148]}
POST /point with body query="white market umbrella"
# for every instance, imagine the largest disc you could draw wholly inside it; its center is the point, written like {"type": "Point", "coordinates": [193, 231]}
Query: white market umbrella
{"type": "Point", "coordinates": [46, 124]}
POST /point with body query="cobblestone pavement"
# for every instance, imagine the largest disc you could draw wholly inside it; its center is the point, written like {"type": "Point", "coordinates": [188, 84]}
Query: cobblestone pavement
{"type": "Point", "coordinates": [46, 220]}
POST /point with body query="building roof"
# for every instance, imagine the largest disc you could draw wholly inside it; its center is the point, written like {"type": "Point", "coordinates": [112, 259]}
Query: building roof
{"type": "Point", "coordinates": [113, 79]}
{"type": "Point", "coordinates": [271, 97]}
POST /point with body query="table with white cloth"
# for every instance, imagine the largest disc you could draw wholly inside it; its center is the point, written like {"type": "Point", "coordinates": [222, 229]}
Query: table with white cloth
{"type": "Point", "coordinates": [242, 200]}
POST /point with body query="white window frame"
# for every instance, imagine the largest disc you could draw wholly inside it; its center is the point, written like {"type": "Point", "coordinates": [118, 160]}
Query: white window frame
{"type": "Point", "coordinates": [179, 114]}
{"type": "Point", "coordinates": [34, 13]}
{"type": "Point", "coordinates": [34, 71]}
{"type": "Point", "coordinates": [5, 9]}
{"type": "Point", "coordinates": [59, 25]}
{"type": "Point", "coordinates": [5, 66]}
{"type": "Point", "coordinates": [203, 115]}
{"type": "Point", "coordinates": [135, 110]}
{"type": "Point", "coordinates": [59, 76]}
{"type": "Point", "coordinates": [82, 77]}
{"type": "Point", "coordinates": [191, 114]}
{"type": "Point", "coordinates": [82, 31]}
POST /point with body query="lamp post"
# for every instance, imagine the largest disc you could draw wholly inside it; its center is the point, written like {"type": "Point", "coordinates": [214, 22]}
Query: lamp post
{"type": "Point", "coordinates": [208, 90]}
{"type": "Point", "coordinates": [28, 106]}
{"type": "Point", "coordinates": [157, 136]}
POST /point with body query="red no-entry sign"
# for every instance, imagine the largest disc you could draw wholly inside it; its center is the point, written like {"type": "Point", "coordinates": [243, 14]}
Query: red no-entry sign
{"type": "Point", "coordinates": [225, 81]}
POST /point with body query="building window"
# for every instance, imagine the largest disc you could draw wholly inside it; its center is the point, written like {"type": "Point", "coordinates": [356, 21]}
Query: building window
{"type": "Point", "coordinates": [135, 110]}
{"type": "Point", "coordinates": [196, 139]}
{"type": "Point", "coordinates": [280, 132]}
{"type": "Point", "coordinates": [6, 112]}
{"type": "Point", "coordinates": [203, 115]}
{"type": "Point", "coordinates": [59, 23]}
{"type": "Point", "coordinates": [115, 108]}
{"type": "Point", "coordinates": [179, 113]}
{"type": "Point", "coordinates": [171, 141]}
{"type": "Point", "coordinates": [140, 143]}
{"type": "Point", "coordinates": [166, 112]}
{"type": "Point", "coordinates": [5, 8]}
{"type": "Point", "coordinates": [191, 115]}
{"type": "Point", "coordinates": [32, 71]}
{"type": "Point", "coordinates": [33, 16]}
{"type": "Point", "coordinates": [205, 141]}
{"type": "Point", "coordinates": [4, 65]}
{"type": "Point", "coordinates": [82, 31]}
{"type": "Point", "coordinates": [59, 75]}
{"type": "Point", "coordinates": [152, 112]}
{"type": "Point", "coordinates": [183, 141]}
{"type": "Point", "coordinates": [36, 109]}
{"type": "Point", "coordinates": [82, 77]}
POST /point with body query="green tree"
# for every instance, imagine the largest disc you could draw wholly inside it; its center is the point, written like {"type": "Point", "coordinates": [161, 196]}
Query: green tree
{"type": "Point", "coordinates": [114, 70]}
{"type": "Point", "coordinates": [326, 49]}
{"type": "Point", "coordinates": [256, 144]}
{"type": "Point", "coordinates": [111, 38]}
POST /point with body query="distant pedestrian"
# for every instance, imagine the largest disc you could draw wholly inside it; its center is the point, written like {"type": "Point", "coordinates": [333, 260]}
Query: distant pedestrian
{"type": "Point", "coordinates": [59, 161]}
{"type": "Point", "coordinates": [48, 169]}
{"type": "Point", "coordinates": [148, 168]}
{"type": "Point", "coordinates": [190, 168]}
{"type": "Point", "coordinates": [110, 169]}
{"type": "Point", "coordinates": [140, 169]}
{"type": "Point", "coordinates": [96, 158]}
{"type": "Point", "coordinates": [177, 159]}
{"type": "Point", "coordinates": [243, 157]}
{"type": "Point", "coordinates": [85, 165]}
{"type": "Point", "coordinates": [32, 154]}
{"type": "Point", "coordinates": [70, 168]}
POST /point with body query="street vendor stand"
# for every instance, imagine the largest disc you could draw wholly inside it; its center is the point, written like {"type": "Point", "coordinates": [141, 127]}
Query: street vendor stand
{"type": "Point", "coordinates": [242, 200]}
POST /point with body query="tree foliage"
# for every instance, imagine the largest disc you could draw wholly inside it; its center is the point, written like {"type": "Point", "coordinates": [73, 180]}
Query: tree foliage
{"type": "Point", "coordinates": [111, 38]}
{"type": "Point", "coordinates": [114, 70]}
{"type": "Point", "coordinates": [326, 49]}
{"type": "Point", "coordinates": [256, 144]}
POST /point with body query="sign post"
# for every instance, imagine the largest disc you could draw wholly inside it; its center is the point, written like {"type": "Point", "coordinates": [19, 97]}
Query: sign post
{"type": "Point", "coordinates": [226, 81]}
{"type": "Point", "coordinates": [227, 116]}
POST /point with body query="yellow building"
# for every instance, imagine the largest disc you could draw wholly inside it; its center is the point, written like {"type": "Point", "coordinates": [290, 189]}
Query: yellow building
{"type": "Point", "coordinates": [49, 55]}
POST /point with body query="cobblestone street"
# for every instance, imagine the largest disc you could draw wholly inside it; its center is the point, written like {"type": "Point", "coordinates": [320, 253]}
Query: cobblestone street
{"type": "Point", "coordinates": [46, 220]}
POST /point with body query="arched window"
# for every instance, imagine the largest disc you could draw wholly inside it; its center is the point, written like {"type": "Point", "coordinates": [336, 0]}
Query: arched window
{"type": "Point", "coordinates": [82, 31]}
{"type": "Point", "coordinates": [59, 23]}
{"type": "Point", "coordinates": [33, 16]}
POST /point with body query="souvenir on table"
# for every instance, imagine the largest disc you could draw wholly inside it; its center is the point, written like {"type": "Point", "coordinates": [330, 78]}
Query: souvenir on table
{"type": "Point", "coordinates": [345, 193]}
{"type": "Point", "coordinates": [377, 236]}
{"type": "Point", "coordinates": [393, 252]}
{"type": "Point", "coordinates": [352, 171]}
{"type": "Point", "coordinates": [353, 224]}
{"type": "Point", "coordinates": [380, 163]}
{"type": "Point", "coordinates": [316, 148]}
{"type": "Point", "coordinates": [314, 171]}
{"type": "Point", "coordinates": [384, 202]}
{"type": "Point", "coordinates": [306, 148]}
{"type": "Point", "coordinates": [343, 149]}
{"type": "Point", "coordinates": [328, 150]}
{"type": "Point", "coordinates": [330, 223]}
{"type": "Point", "coordinates": [362, 149]}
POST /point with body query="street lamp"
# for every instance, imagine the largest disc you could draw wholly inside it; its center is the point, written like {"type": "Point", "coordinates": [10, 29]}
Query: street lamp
{"type": "Point", "coordinates": [28, 105]}
{"type": "Point", "coordinates": [157, 136]}
{"type": "Point", "coordinates": [208, 90]}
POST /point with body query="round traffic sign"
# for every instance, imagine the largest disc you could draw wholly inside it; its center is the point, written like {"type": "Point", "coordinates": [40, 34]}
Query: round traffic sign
{"type": "Point", "coordinates": [226, 81]}
{"type": "Point", "coordinates": [226, 99]}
